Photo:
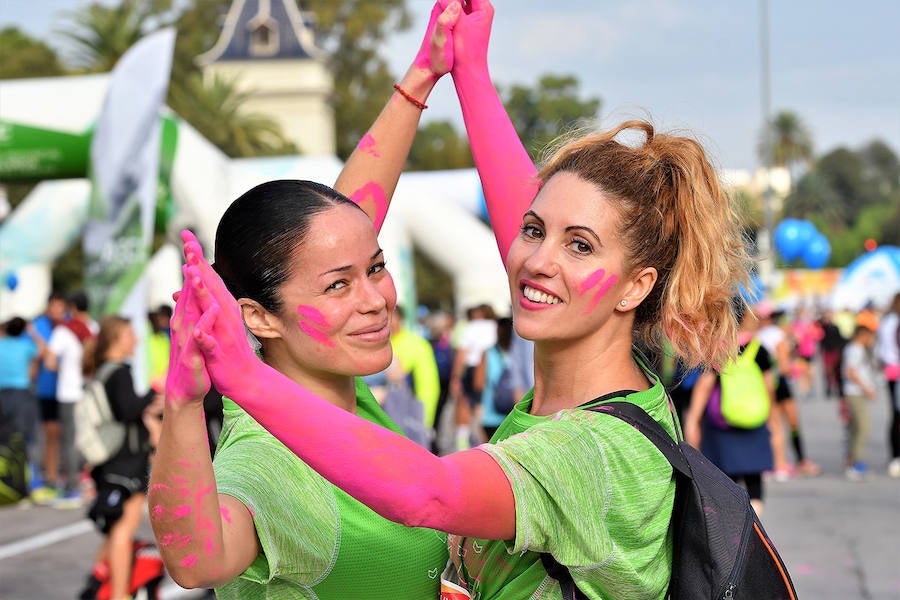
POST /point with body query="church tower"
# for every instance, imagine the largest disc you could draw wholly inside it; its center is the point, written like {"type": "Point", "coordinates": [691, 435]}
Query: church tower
{"type": "Point", "coordinates": [267, 47]}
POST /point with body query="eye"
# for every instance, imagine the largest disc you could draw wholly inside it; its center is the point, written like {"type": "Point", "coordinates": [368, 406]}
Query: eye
{"type": "Point", "coordinates": [376, 268]}
{"type": "Point", "coordinates": [530, 230]}
{"type": "Point", "coordinates": [339, 284]}
{"type": "Point", "coordinates": [580, 246]}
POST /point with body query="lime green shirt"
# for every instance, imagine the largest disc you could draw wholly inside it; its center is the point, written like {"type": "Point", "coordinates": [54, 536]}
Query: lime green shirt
{"type": "Point", "coordinates": [318, 542]}
{"type": "Point", "coordinates": [590, 490]}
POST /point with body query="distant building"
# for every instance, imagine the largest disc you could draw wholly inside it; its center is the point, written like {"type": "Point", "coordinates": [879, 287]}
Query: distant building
{"type": "Point", "coordinates": [268, 48]}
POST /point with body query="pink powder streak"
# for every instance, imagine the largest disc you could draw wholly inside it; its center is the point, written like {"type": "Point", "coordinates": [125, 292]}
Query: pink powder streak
{"type": "Point", "coordinates": [312, 315]}
{"type": "Point", "coordinates": [315, 334]}
{"type": "Point", "coordinates": [601, 291]}
{"type": "Point", "coordinates": [368, 145]}
{"type": "Point", "coordinates": [189, 561]}
{"type": "Point", "coordinates": [178, 540]}
{"type": "Point", "coordinates": [182, 511]}
{"type": "Point", "coordinates": [225, 515]}
{"type": "Point", "coordinates": [372, 192]}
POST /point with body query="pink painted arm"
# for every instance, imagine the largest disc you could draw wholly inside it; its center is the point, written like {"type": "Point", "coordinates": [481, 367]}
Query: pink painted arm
{"type": "Point", "coordinates": [371, 174]}
{"type": "Point", "coordinates": [465, 493]}
{"type": "Point", "coordinates": [508, 176]}
{"type": "Point", "coordinates": [205, 539]}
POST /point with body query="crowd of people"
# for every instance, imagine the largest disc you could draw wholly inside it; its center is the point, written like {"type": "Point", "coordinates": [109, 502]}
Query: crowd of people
{"type": "Point", "coordinates": [304, 435]}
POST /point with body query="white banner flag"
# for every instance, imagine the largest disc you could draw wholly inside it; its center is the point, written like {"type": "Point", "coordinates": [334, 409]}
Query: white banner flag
{"type": "Point", "coordinates": [123, 169]}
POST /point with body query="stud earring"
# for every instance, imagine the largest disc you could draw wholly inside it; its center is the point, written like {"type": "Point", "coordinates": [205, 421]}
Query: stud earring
{"type": "Point", "coordinates": [623, 303]}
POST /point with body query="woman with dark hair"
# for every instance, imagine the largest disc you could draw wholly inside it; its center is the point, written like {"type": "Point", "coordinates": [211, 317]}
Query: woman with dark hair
{"type": "Point", "coordinates": [314, 297]}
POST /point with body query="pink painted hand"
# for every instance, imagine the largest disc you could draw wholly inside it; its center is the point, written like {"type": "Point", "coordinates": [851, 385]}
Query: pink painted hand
{"type": "Point", "coordinates": [471, 36]}
{"type": "Point", "coordinates": [187, 380]}
{"type": "Point", "coordinates": [436, 51]}
{"type": "Point", "coordinates": [508, 177]}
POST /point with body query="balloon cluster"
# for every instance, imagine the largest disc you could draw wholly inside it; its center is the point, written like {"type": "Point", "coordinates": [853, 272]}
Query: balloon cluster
{"type": "Point", "coordinates": [795, 239]}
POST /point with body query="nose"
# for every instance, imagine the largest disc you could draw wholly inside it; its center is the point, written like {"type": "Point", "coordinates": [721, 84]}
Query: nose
{"type": "Point", "coordinates": [543, 260]}
{"type": "Point", "coordinates": [371, 298]}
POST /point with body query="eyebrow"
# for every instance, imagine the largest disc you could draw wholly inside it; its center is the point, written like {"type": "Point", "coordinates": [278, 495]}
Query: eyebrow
{"type": "Point", "coordinates": [570, 228]}
{"type": "Point", "coordinates": [346, 268]}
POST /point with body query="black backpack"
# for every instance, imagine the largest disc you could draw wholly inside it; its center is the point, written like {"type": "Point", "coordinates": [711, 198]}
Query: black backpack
{"type": "Point", "coordinates": [720, 547]}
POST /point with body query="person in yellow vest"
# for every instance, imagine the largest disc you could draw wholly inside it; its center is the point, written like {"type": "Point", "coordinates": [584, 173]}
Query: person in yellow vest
{"type": "Point", "coordinates": [416, 358]}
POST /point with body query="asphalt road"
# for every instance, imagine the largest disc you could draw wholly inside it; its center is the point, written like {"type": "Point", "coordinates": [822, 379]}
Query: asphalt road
{"type": "Point", "coordinates": [840, 539]}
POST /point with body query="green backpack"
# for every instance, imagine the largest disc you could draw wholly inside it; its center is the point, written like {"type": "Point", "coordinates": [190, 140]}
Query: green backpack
{"type": "Point", "coordinates": [745, 399]}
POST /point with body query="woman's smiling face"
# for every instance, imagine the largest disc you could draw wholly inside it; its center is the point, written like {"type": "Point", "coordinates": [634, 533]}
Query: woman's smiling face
{"type": "Point", "coordinates": [566, 267]}
{"type": "Point", "coordinates": [340, 297]}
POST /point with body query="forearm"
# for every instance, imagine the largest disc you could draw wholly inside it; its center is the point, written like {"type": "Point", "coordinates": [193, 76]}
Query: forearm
{"type": "Point", "coordinates": [392, 475]}
{"type": "Point", "coordinates": [371, 174]}
{"type": "Point", "coordinates": [183, 502]}
{"type": "Point", "coordinates": [508, 176]}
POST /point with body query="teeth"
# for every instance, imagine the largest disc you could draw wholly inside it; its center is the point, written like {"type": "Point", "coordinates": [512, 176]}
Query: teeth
{"type": "Point", "coordinates": [541, 297]}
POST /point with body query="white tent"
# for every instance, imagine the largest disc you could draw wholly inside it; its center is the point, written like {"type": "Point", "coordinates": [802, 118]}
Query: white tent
{"type": "Point", "coordinates": [873, 277]}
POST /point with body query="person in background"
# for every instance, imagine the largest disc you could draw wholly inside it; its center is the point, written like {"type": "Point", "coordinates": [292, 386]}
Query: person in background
{"type": "Point", "coordinates": [417, 364]}
{"type": "Point", "coordinates": [888, 351]}
{"type": "Point", "coordinates": [121, 482]}
{"type": "Point", "coordinates": [859, 375]}
{"type": "Point", "coordinates": [784, 410]}
{"type": "Point", "coordinates": [833, 343]}
{"type": "Point", "coordinates": [494, 362]}
{"type": "Point", "coordinates": [66, 350]}
{"type": "Point", "coordinates": [47, 489]}
{"type": "Point", "coordinates": [742, 454]}
{"type": "Point", "coordinates": [20, 344]}
{"type": "Point", "coordinates": [521, 364]}
{"type": "Point", "coordinates": [440, 329]}
{"type": "Point", "coordinates": [479, 334]}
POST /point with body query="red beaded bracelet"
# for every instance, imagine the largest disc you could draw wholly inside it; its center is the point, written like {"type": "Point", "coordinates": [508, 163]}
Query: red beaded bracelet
{"type": "Point", "coordinates": [405, 94]}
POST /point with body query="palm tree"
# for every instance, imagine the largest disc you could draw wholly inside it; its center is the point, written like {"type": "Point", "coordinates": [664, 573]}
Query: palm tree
{"type": "Point", "coordinates": [786, 142]}
{"type": "Point", "coordinates": [102, 34]}
{"type": "Point", "coordinates": [213, 107]}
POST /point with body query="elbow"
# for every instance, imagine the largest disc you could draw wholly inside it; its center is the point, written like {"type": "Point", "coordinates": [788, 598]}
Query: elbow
{"type": "Point", "coordinates": [190, 577]}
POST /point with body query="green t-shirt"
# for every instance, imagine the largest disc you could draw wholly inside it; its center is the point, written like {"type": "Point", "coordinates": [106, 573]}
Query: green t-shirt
{"type": "Point", "coordinates": [318, 542]}
{"type": "Point", "coordinates": [590, 490]}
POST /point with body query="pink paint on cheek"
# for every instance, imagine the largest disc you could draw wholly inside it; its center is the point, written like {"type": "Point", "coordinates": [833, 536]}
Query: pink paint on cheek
{"type": "Point", "coordinates": [368, 145]}
{"type": "Point", "coordinates": [159, 486]}
{"type": "Point", "coordinates": [181, 511]}
{"type": "Point", "coordinates": [593, 280]}
{"type": "Point", "coordinates": [312, 315]}
{"type": "Point", "coordinates": [315, 334]}
{"type": "Point", "coordinates": [189, 561]}
{"type": "Point", "coordinates": [371, 198]}
{"type": "Point", "coordinates": [157, 511]}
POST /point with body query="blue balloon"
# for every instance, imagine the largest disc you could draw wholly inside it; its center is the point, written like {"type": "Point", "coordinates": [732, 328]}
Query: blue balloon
{"type": "Point", "coordinates": [807, 232]}
{"type": "Point", "coordinates": [12, 281]}
{"type": "Point", "coordinates": [789, 239]}
{"type": "Point", "coordinates": [817, 252]}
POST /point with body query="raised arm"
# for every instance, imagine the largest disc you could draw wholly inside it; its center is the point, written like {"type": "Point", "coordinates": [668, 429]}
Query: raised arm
{"type": "Point", "coordinates": [205, 539]}
{"type": "Point", "coordinates": [370, 176]}
{"type": "Point", "coordinates": [465, 493]}
{"type": "Point", "coordinates": [508, 176]}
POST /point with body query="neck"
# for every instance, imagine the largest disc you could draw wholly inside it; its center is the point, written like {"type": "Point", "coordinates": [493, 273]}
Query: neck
{"type": "Point", "coordinates": [339, 390]}
{"type": "Point", "coordinates": [567, 373]}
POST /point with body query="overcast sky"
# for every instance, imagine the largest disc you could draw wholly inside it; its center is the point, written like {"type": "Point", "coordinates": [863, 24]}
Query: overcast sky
{"type": "Point", "coordinates": [692, 64]}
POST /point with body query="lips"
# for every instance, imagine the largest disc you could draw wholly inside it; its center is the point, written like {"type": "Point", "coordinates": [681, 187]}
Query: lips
{"type": "Point", "coordinates": [374, 333]}
{"type": "Point", "coordinates": [537, 295]}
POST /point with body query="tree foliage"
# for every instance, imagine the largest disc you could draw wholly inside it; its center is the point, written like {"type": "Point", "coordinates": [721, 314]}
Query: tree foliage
{"type": "Point", "coordinates": [851, 195]}
{"type": "Point", "coordinates": [786, 141]}
{"type": "Point", "coordinates": [352, 33]}
{"type": "Point", "coordinates": [438, 146]}
{"type": "Point", "coordinates": [24, 56]}
{"type": "Point", "coordinates": [541, 113]}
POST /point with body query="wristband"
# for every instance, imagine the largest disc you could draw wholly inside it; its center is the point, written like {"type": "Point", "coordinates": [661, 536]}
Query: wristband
{"type": "Point", "coordinates": [408, 96]}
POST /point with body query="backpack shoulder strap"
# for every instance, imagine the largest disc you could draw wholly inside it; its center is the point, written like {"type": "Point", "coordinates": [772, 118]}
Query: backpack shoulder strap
{"type": "Point", "coordinates": [637, 417]}
{"type": "Point", "coordinates": [105, 371]}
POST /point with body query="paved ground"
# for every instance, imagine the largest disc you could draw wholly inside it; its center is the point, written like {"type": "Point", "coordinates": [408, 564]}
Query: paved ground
{"type": "Point", "coordinates": [840, 539]}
